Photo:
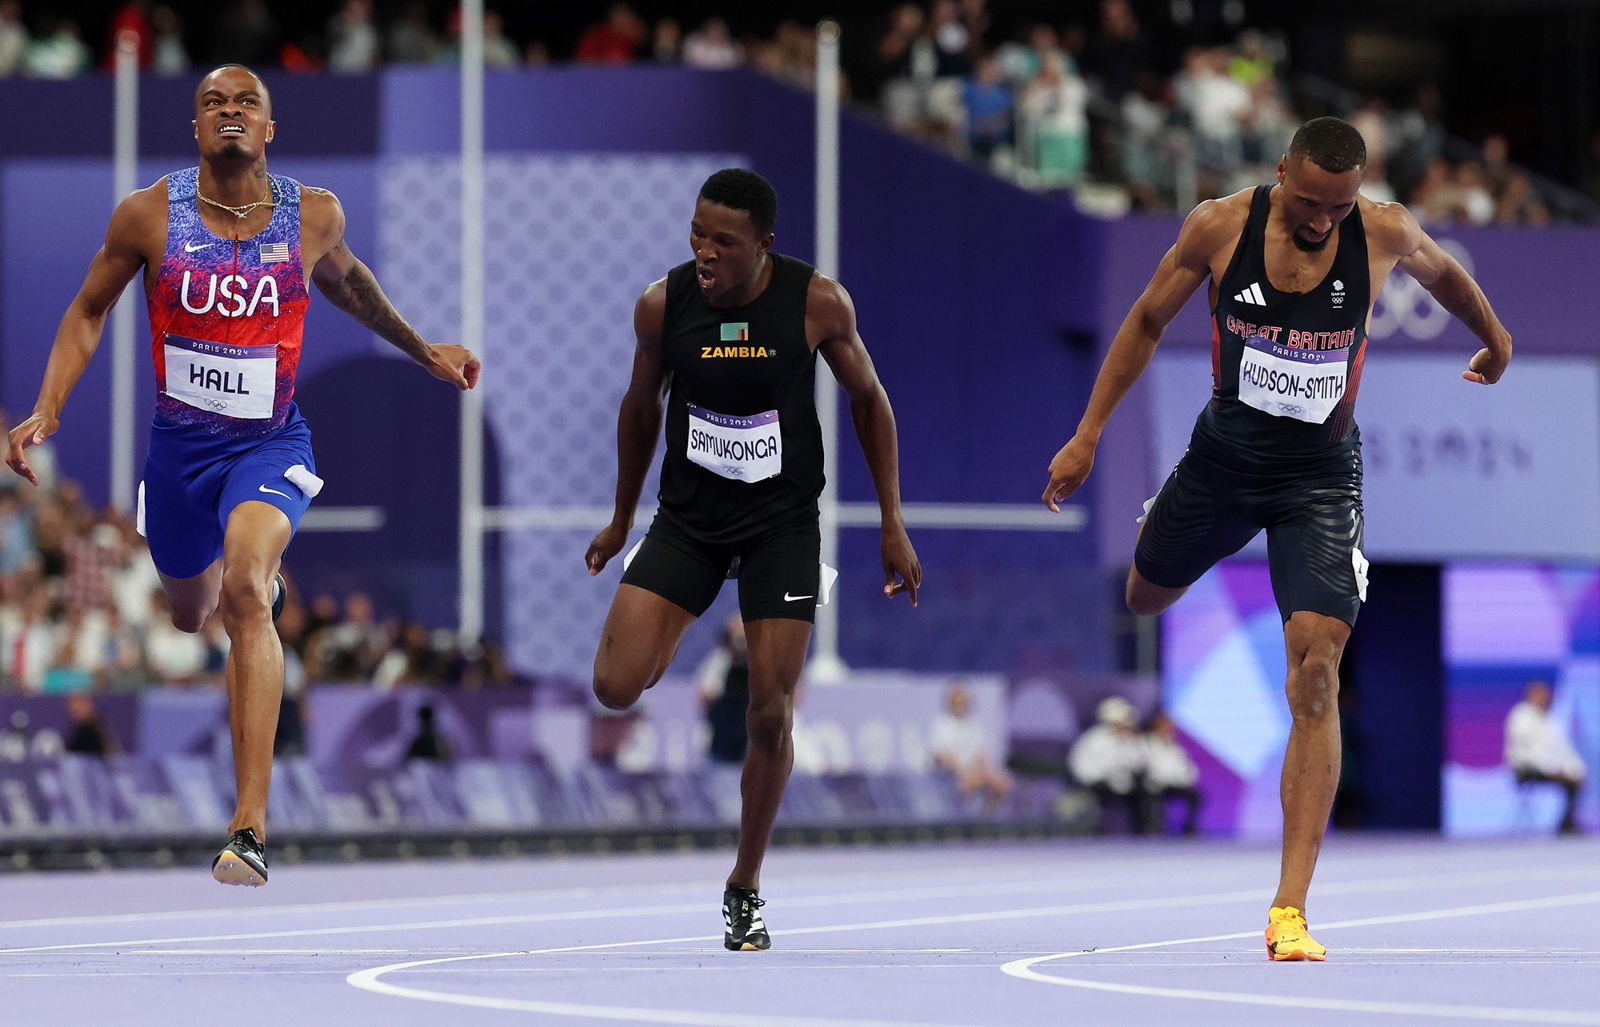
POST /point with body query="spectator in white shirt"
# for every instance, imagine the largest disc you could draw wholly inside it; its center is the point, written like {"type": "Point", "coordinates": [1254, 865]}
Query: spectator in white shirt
{"type": "Point", "coordinates": [13, 38]}
{"type": "Point", "coordinates": [1109, 759]}
{"type": "Point", "coordinates": [959, 747]}
{"type": "Point", "coordinates": [1169, 773]}
{"type": "Point", "coordinates": [353, 39]}
{"type": "Point", "coordinates": [1538, 751]}
{"type": "Point", "coordinates": [712, 46]}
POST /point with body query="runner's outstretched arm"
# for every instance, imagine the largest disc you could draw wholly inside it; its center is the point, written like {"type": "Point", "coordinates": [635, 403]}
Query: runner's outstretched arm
{"type": "Point", "coordinates": [638, 424]}
{"type": "Point", "coordinates": [351, 286]}
{"type": "Point", "coordinates": [78, 335]}
{"type": "Point", "coordinates": [1444, 277]}
{"type": "Point", "coordinates": [830, 310]}
{"type": "Point", "coordinates": [1181, 271]}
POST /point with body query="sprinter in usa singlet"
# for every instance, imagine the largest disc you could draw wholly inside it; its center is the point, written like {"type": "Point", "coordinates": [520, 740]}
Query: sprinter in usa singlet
{"type": "Point", "coordinates": [226, 249]}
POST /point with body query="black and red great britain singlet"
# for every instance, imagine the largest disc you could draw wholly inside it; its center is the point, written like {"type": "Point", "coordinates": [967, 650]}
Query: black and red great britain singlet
{"type": "Point", "coordinates": [744, 448]}
{"type": "Point", "coordinates": [1286, 365]}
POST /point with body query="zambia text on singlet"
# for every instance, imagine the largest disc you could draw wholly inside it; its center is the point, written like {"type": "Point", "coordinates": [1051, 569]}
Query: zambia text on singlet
{"type": "Point", "coordinates": [227, 317]}
{"type": "Point", "coordinates": [1286, 366]}
{"type": "Point", "coordinates": [744, 449]}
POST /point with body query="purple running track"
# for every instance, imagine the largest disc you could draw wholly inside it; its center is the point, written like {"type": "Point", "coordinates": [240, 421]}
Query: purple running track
{"type": "Point", "coordinates": [1418, 931]}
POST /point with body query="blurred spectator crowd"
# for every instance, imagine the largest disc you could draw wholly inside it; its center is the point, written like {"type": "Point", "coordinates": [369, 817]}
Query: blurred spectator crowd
{"type": "Point", "coordinates": [82, 609]}
{"type": "Point", "coordinates": [1102, 105]}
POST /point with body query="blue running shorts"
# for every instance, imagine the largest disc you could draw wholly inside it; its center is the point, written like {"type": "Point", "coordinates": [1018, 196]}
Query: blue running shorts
{"type": "Point", "coordinates": [192, 482]}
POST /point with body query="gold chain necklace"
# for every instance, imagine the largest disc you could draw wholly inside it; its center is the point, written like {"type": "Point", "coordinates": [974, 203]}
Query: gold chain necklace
{"type": "Point", "coordinates": [243, 210]}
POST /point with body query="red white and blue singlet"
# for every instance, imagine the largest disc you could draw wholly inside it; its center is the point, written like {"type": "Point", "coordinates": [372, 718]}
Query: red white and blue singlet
{"type": "Point", "coordinates": [227, 316]}
{"type": "Point", "coordinates": [226, 322]}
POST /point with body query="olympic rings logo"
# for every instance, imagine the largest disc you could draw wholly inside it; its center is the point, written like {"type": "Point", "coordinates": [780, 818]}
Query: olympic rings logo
{"type": "Point", "coordinates": [1404, 307]}
{"type": "Point", "coordinates": [216, 404]}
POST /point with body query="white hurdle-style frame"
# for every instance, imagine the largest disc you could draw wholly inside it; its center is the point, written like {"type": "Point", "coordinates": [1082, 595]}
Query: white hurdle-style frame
{"type": "Point", "coordinates": [124, 172]}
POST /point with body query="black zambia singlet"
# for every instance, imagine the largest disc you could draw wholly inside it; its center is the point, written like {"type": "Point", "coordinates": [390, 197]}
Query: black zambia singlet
{"type": "Point", "coordinates": [744, 448]}
{"type": "Point", "coordinates": [1286, 365]}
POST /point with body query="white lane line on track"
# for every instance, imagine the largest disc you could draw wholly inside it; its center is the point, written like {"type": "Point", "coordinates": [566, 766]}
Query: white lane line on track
{"type": "Point", "coordinates": [697, 885]}
{"type": "Point", "coordinates": [900, 895]}
{"type": "Point", "coordinates": [1024, 969]}
{"type": "Point", "coordinates": [1049, 879]}
{"type": "Point", "coordinates": [903, 895]}
{"type": "Point", "coordinates": [563, 972]}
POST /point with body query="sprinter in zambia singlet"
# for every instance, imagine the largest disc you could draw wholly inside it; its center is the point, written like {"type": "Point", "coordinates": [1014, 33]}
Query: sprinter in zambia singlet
{"type": "Point", "coordinates": [743, 464]}
{"type": "Point", "coordinates": [744, 450]}
{"type": "Point", "coordinates": [726, 352]}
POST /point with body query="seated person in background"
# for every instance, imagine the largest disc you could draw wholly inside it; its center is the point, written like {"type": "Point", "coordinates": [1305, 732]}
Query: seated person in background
{"type": "Point", "coordinates": [88, 735]}
{"type": "Point", "coordinates": [1169, 773]}
{"type": "Point", "coordinates": [1109, 759]}
{"type": "Point", "coordinates": [957, 745]}
{"type": "Point", "coordinates": [1537, 750]}
{"type": "Point", "coordinates": [430, 743]}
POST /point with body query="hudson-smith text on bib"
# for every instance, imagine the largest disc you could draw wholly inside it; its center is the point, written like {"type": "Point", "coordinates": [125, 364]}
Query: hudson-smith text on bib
{"type": "Point", "coordinates": [236, 381]}
{"type": "Point", "coordinates": [1304, 384]}
{"type": "Point", "coordinates": [738, 448]}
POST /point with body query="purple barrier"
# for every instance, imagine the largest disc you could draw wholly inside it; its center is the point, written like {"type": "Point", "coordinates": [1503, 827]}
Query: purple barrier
{"type": "Point", "coordinates": [47, 723]}
{"type": "Point", "coordinates": [134, 797]}
{"type": "Point", "coordinates": [1453, 470]}
{"type": "Point", "coordinates": [876, 722]}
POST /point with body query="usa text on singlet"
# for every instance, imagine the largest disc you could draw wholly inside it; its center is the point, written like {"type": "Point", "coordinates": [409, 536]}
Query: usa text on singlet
{"type": "Point", "coordinates": [227, 317]}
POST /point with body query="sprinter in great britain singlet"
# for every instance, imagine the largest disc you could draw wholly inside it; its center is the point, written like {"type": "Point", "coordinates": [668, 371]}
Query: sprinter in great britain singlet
{"type": "Point", "coordinates": [1277, 447]}
{"type": "Point", "coordinates": [1286, 365]}
{"type": "Point", "coordinates": [743, 464]}
{"type": "Point", "coordinates": [226, 319]}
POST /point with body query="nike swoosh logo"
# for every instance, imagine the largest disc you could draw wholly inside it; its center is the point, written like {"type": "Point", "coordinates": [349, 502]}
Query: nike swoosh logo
{"type": "Point", "coordinates": [275, 492]}
{"type": "Point", "coordinates": [795, 599]}
{"type": "Point", "coordinates": [189, 247]}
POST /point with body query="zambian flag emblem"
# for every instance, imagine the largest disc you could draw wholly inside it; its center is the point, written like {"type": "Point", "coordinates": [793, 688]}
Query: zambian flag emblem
{"type": "Point", "coordinates": [739, 332]}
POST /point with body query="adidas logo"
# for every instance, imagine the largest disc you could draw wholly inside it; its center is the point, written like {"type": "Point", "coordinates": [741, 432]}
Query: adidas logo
{"type": "Point", "coordinates": [1252, 295]}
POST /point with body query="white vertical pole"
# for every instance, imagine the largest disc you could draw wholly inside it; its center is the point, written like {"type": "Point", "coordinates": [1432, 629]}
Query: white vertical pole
{"type": "Point", "coordinates": [124, 169]}
{"type": "Point", "coordinates": [472, 292]}
{"type": "Point", "coordinates": [826, 665]}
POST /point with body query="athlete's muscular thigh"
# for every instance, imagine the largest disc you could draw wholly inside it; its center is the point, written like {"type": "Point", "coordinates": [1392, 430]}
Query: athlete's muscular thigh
{"type": "Point", "coordinates": [1195, 520]}
{"type": "Point", "coordinates": [641, 636]}
{"type": "Point", "coordinates": [252, 551]}
{"type": "Point", "coordinates": [778, 647]}
{"type": "Point", "coordinates": [192, 599]}
{"type": "Point", "coordinates": [1147, 599]}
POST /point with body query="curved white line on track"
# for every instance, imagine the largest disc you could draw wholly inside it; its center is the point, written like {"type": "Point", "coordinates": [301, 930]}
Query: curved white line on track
{"type": "Point", "coordinates": [1024, 969]}
{"type": "Point", "coordinates": [369, 980]}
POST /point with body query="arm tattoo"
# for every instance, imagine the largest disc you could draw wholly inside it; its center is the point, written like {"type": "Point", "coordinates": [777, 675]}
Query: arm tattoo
{"type": "Point", "coordinates": [359, 295]}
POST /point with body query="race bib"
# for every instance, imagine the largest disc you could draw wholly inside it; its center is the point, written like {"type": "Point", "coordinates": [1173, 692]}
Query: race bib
{"type": "Point", "coordinates": [1305, 384]}
{"type": "Point", "coordinates": [738, 448]}
{"type": "Point", "coordinates": [235, 381]}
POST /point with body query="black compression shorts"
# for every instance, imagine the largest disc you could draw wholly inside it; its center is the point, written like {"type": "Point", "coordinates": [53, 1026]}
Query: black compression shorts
{"type": "Point", "coordinates": [778, 571]}
{"type": "Point", "coordinates": [1207, 511]}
